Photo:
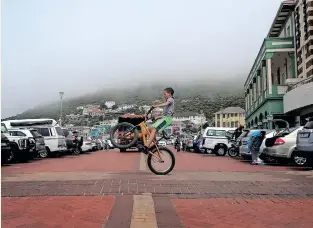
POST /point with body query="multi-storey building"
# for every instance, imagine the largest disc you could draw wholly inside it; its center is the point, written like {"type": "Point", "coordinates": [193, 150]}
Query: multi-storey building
{"type": "Point", "coordinates": [298, 101]}
{"type": "Point", "coordinates": [230, 117]}
{"type": "Point", "coordinates": [274, 65]}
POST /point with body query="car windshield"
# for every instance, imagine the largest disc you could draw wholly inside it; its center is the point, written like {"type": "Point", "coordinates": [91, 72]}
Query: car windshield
{"type": "Point", "coordinates": [309, 125]}
{"type": "Point", "coordinates": [4, 129]}
{"type": "Point", "coordinates": [244, 133]}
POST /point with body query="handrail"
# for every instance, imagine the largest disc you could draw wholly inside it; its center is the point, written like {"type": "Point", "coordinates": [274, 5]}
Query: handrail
{"type": "Point", "coordinates": [302, 82]}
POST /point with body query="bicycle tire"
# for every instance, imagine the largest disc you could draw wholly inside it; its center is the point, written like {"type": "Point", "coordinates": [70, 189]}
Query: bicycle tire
{"type": "Point", "coordinates": [131, 143]}
{"type": "Point", "coordinates": [149, 161]}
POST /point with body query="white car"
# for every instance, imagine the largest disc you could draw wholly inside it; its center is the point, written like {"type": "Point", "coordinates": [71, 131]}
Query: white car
{"type": "Point", "coordinates": [162, 143]}
{"type": "Point", "coordinates": [87, 146]}
{"type": "Point", "coordinates": [110, 144]}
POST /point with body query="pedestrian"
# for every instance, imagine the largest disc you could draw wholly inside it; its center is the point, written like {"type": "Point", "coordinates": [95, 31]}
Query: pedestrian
{"type": "Point", "coordinates": [238, 131]}
{"type": "Point", "coordinates": [254, 144]}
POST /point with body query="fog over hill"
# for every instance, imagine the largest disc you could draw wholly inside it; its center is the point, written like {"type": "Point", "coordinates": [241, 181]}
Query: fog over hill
{"type": "Point", "coordinates": [202, 93]}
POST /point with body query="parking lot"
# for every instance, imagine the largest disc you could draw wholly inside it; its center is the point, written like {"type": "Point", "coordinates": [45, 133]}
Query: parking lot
{"type": "Point", "coordinates": [113, 189]}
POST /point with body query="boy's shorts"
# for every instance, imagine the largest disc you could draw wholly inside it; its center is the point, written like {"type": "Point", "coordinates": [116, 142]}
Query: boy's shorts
{"type": "Point", "coordinates": [163, 123]}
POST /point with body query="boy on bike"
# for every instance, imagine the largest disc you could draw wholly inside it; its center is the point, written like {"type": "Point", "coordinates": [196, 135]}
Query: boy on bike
{"type": "Point", "coordinates": [164, 121]}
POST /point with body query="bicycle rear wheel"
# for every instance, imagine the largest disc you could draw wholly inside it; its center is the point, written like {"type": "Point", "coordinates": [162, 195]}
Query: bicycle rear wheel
{"type": "Point", "coordinates": [166, 161]}
{"type": "Point", "coordinates": [124, 135]}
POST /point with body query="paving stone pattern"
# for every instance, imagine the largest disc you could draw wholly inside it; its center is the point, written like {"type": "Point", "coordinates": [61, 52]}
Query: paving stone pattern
{"type": "Point", "coordinates": [185, 189]}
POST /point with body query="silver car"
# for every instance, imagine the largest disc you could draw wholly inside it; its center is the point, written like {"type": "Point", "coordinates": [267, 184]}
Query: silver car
{"type": "Point", "coordinates": [305, 141]}
{"type": "Point", "coordinates": [282, 147]}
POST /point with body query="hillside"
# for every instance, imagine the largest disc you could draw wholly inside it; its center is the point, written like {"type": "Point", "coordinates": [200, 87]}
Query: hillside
{"type": "Point", "coordinates": [196, 96]}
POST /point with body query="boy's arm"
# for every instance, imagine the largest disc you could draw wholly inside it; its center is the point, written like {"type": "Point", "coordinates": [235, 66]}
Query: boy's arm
{"type": "Point", "coordinates": [166, 103]}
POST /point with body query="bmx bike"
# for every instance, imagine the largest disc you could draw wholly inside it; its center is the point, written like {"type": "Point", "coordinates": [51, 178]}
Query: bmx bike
{"type": "Point", "coordinates": [125, 135]}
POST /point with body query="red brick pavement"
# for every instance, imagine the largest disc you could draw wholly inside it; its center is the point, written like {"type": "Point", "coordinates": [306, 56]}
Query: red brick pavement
{"type": "Point", "coordinates": [244, 213]}
{"type": "Point", "coordinates": [199, 162]}
{"type": "Point", "coordinates": [111, 160]}
{"type": "Point", "coordinates": [61, 212]}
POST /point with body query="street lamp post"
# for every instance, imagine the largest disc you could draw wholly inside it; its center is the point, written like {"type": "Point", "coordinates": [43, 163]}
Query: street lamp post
{"type": "Point", "coordinates": [61, 106]}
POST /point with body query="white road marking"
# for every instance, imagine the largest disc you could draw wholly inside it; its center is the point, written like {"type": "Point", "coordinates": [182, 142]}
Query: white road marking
{"type": "Point", "coordinates": [143, 162]}
{"type": "Point", "coordinates": [143, 215]}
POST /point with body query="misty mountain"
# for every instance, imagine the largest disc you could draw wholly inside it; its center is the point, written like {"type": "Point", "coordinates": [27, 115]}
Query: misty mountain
{"type": "Point", "coordinates": [198, 95]}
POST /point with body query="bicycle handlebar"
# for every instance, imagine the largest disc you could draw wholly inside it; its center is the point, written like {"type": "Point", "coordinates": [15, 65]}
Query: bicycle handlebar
{"type": "Point", "coordinates": [149, 111]}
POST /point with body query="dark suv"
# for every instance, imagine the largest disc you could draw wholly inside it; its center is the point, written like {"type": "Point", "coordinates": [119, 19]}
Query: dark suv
{"type": "Point", "coordinates": [305, 141]}
{"type": "Point", "coordinates": [5, 149]}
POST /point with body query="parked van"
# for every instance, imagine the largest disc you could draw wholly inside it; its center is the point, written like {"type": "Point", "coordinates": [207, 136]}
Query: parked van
{"type": "Point", "coordinates": [48, 128]}
{"type": "Point", "coordinates": [216, 140]}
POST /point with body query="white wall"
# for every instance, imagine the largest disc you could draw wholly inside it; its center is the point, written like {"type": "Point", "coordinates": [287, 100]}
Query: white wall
{"type": "Point", "coordinates": [299, 97]}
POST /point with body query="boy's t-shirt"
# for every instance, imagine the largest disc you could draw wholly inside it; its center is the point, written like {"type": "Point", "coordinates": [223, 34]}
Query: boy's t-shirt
{"type": "Point", "coordinates": [169, 109]}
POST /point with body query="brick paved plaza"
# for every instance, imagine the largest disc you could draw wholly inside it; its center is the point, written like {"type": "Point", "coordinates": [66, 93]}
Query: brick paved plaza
{"type": "Point", "coordinates": [116, 190]}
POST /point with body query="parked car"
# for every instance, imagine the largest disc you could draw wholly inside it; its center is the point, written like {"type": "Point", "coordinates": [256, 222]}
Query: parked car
{"type": "Point", "coordinates": [282, 147]}
{"type": "Point", "coordinates": [162, 143]}
{"type": "Point", "coordinates": [53, 135]}
{"type": "Point", "coordinates": [22, 143]}
{"type": "Point", "coordinates": [215, 139]}
{"type": "Point", "coordinates": [87, 146]}
{"type": "Point", "coordinates": [304, 143]}
{"type": "Point", "coordinates": [244, 137]}
{"type": "Point", "coordinates": [6, 152]}
{"type": "Point", "coordinates": [108, 141]}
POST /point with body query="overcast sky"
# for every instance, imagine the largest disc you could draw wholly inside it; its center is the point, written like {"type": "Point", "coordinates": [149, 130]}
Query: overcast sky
{"type": "Point", "coordinates": [78, 46]}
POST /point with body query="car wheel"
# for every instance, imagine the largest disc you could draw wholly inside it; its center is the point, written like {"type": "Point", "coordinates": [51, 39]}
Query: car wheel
{"type": "Point", "coordinates": [299, 160]}
{"type": "Point", "coordinates": [220, 151]}
{"type": "Point", "coordinates": [43, 154]}
{"type": "Point", "coordinates": [11, 156]}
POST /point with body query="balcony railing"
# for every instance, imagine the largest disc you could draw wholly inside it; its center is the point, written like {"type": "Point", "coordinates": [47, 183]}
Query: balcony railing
{"type": "Point", "coordinates": [302, 82]}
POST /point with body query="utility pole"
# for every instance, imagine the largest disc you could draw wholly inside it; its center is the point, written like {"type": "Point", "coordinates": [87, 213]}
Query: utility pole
{"type": "Point", "coordinates": [61, 106]}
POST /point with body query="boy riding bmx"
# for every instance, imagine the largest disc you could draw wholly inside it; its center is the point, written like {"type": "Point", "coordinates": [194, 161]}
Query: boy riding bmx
{"type": "Point", "coordinates": [163, 121]}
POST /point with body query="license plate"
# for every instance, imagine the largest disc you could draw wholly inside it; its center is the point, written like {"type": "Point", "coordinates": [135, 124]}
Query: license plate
{"type": "Point", "coordinates": [304, 135]}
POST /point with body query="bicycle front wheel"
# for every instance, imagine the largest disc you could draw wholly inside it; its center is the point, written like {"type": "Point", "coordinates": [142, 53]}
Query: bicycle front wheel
{"type": "Point", "coordinates": [124, 135]}
{"type": "Point", "coordinates": [162, 162]}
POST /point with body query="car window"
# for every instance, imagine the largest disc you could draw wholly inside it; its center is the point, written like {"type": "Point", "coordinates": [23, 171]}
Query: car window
{"type": "Point", "coordinates": [65, 132]}
{"type": "Point", "coordinates": [35, 133]}
{"type": "Point", "coordinates": [244, 134]}
{"type": "Point", "coordinates": [4, 128]}
{"type": "Point", "coordinates": [17, 133]}
{"type": "Point", "coordinates": [216, 133]}
{"type": "Point", "coordinates": [308, 125]}
{"type": "Point", "coordinates": [44, 131]}
{"type": "Point", "coordinates": [59, 131]}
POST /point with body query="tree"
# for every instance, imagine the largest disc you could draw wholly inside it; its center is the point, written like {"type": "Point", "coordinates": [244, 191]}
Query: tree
{"type": "Point", "coordinates": [103, 106]}
{"type": "Point", "coordinates": [114, 107]}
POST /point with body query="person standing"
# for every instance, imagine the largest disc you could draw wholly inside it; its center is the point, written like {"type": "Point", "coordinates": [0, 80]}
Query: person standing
{"type": "Point", "coordinates": [254, 144]}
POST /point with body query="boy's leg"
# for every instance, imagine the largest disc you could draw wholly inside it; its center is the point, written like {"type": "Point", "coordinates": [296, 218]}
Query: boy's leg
{"type": "Point", "coordinates": [159, 126]}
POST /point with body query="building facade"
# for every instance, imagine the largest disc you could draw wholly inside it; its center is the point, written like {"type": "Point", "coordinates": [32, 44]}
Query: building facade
{"type": "Point", "coordinates": [298, 101]}
{"type": "Point", "coordinates": [195, 118]}
{"type": "Point", "coordinates": [230, 117]}
{"type": "Point", "coordinates": [273, 67]}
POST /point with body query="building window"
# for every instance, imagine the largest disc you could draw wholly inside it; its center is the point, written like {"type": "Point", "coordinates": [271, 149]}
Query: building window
{"type": "Point", "coordinates": [232, 115]}
{"type": "Point", "coordinates": [236, 114]}
{"type": "Point", "coordinates": [223, 115]}
{"type": "Point", "coordinates": [218, 116]}
{"type": "Point", "coordinates": [224, 124]}
{"type": "Point", "coordinates": [232, 124]}
{"type": "Point", "coordinates": [218, 124]}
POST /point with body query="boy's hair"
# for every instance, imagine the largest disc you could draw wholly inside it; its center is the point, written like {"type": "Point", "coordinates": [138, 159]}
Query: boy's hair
{"type": "Point", "coordinates": [169, 90]}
